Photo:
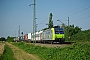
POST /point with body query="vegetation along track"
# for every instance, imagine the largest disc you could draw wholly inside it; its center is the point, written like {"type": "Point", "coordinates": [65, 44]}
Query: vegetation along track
{"type": "Point", "coordinates": [21, 55]}
{"type": "Point", "coordinates": [76, 51]}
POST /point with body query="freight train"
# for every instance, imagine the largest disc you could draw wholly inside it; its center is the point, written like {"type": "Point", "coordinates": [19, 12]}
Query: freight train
{"type": "Point", "coordinates": [55, 34]}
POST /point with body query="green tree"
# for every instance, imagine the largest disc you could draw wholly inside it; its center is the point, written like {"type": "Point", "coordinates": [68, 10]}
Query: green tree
{"type": "Point", "coordinates": [63, 26]}
{"type": "Point", "coordinates": [2, 39]}
{"type": "Point", "coordinates": [77, 29]}
{"type": "Point", "coordinates": [50, 25]}
{"type": "Point", "coordinates": [71, 30]}
{"type": "Point", "coordinates": [10, 39]}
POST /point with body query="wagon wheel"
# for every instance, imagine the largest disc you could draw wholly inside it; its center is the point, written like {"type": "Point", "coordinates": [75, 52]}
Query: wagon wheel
{"type": "Point", "coordinates": [51, 42]}
{"type": "Point", "coordinates": [44, 41]}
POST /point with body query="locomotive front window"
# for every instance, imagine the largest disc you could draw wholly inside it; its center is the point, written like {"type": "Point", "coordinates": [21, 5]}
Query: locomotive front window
{"type": "Point", "coordinates": [59, 31]}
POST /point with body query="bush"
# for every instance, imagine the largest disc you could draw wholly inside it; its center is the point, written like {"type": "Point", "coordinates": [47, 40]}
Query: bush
{"type": "Point", "coordinates": [10, 39]}
{"type": "Point", "coordinates": [2, 39]}
{"type": "Point", "coordinates": [81, 36]}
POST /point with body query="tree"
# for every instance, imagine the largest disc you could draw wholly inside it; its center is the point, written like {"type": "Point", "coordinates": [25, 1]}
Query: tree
{"type": "Point", "coordinates": [50, 25]}
{"type": "Point", "coordinates": [71, 30]}
{"type": "Point", "coordinates": [63, 25]}
{"type": "Point", "coordinates": [2, 39]}
{"type": "Point", "coordinates": [77, 29]}
{"type": "Point", "coordinates": [10, 39]}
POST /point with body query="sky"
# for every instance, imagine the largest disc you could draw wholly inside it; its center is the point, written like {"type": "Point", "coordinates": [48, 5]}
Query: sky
{"type": "Point", "coordinates": [18, 12]}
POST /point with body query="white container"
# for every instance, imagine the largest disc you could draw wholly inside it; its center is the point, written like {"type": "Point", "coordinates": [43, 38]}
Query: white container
{"type": "Point", "coordinates": [29, 36]}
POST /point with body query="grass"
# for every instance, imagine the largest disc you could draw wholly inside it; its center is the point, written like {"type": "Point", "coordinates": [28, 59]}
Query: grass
{"type": "Point", "coordinates": [1, 49]}
{"type": "Point", "coordinates": [76, 51]}
{"type": "Point", "coordinates": [8, 54]}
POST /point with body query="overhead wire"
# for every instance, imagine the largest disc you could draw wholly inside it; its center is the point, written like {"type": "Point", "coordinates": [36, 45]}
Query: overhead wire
{"type": "Point", "coordinates": [79, 11]}
{"type": "Point", "coordinates": [27, 13]}
{"type": "Point", "coordinates": [75, 13]}
{"type": "Point", "coordinates": [80, 19]}
{"type": "Point", "coordinates": [43, 21]}
{"type": "Point", "coordinates": [68, 15]}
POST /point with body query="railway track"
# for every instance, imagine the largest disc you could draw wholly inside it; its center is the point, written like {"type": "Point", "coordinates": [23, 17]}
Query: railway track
{"type": "Point", "coordinates": [48, 44]}
{"type": "Point", "coordinates": [55, 44]}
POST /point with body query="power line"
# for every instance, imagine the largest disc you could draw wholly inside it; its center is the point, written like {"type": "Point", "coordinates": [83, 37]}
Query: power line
{"type": "Point", "coordinates": [77, 12]}
{"type": "Point", "coordinates": [80, 19]}
{"type": "Point", "coordinates": [27, 13]}
{"type": "Point", "coordinates": [42, 21]}
{"type": "Point", "coordinates": [72, 13]}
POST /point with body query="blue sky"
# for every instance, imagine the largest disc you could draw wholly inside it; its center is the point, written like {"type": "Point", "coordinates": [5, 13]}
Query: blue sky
{"type": "Point", "coordinates": [18, 12]}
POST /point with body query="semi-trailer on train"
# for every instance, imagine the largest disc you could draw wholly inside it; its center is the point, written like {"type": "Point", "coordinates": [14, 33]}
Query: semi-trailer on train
{"type": "Point", "coordinates": [55, 34]}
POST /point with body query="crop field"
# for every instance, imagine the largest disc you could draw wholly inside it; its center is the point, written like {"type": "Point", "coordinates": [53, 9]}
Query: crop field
{"type": "Point", "coordinates": [19, 54]}
{"type": "Point", "coordinates": [1, 49]}
{"type": "Point", "coordinates": [76, 51]}
{"type": "Point", "coordinates": [7, 54]}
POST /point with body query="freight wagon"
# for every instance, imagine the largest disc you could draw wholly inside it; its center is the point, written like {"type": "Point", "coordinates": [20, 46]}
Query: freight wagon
{"type": "Point", "coordinates": [27, 37]}
{"type": "Point", "coordinates": [16, 39]}
{"type": "Point", "coordinates": [38, 36]}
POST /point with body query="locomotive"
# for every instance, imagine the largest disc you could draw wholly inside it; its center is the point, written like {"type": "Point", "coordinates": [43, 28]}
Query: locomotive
{"type": "Point", "coordinates": [53, 35]}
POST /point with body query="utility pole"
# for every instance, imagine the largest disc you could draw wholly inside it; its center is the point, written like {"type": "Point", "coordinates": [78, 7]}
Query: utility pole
{"type": "Point", "coordinates": [68, 28]}
{"type": "Point", "coordinates": [35, 18]}
{"type": "Point", "coordinates": [68, 21]}
{"type": "Point", "coordinates": [15, 34]}
{"type": "Point", "coordinates": [19, 32]}
{"type": "Point", "coordinates": [36, 27]}
{"type": "Point", "coordinates": [60, 21]}
{"type": "Point", "coordinates": [34, 21]}
{"type": "Point", "coordinates": [22, 36]}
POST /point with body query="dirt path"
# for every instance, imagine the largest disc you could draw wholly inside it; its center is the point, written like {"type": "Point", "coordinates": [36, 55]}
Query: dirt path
{"type": "Point", "coordinates": [1, 48]}
{"type": "Point", "coordinates": [21, 55]}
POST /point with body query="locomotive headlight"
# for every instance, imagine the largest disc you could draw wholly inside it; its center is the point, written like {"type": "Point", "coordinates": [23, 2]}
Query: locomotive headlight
{"type": "Point", "coordinates": [62, 36]}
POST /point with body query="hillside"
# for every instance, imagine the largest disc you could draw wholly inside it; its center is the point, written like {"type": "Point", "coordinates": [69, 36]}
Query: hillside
{"type": "Point", "coordinates": [82, 36]}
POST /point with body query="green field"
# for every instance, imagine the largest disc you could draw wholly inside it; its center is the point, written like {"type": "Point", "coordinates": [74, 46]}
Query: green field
{"type": "Point", "coordinates": [8, 54]}
{"type": "Point", "coordinates": [76, 51]}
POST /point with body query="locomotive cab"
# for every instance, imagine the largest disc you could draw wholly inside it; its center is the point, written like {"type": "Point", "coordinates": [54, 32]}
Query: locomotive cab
{"type": "Point", "coordinates": [58, 34]}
